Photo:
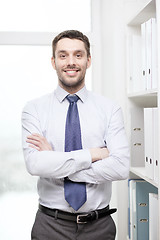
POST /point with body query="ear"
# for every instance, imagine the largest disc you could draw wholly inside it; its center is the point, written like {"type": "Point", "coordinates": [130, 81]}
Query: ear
{"type": "Point", "coordinates": [89, 62]}
{"type": "Point", "coordinates": [53, 62]}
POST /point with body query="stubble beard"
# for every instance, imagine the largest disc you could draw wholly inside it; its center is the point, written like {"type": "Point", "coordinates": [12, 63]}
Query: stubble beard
{"type": "Point", "coordinates": [71, 85]}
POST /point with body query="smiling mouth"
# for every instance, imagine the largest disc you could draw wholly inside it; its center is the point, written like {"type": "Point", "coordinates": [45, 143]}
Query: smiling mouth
{"type": "Point", "coordinates": [71, 70]}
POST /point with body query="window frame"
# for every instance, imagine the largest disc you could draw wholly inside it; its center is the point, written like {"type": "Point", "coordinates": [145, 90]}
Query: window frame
{"type": "Point", "coordinates": [45, 38]}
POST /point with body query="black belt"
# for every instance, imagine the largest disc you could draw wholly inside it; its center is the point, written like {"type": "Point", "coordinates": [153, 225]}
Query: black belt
{"type": "Point", "coordinates": [80, 218]}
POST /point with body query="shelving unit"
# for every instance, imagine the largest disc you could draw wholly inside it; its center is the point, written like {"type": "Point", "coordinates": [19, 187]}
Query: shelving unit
{"type": "Point", "coordinates": [137, 100]}
{"type": "Point", "coordinates": [144, 99]}
{"type": "Point", "coordinates": [139, 172]}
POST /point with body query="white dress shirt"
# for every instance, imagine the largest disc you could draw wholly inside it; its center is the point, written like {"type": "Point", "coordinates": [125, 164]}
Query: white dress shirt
{"type": "Point", "coordinates": [101, 125]}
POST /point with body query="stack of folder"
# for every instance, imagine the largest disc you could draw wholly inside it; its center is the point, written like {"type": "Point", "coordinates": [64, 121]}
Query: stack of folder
{"type": "Point", "coordinates": [149, 54]}
{"type": "Point", "coordinates": [144, 141]}
{"type": "Point", "coordinates": [151, 143]}
{"type": "Point", "coordinates": [140, 222]}
{"type": "Point", "coordinates": [153, 216]}
{"type": "Point", "coordinates": [143, 62]}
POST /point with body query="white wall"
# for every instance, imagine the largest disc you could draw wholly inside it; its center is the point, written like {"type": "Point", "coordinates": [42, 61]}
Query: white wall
{"type": "Point", "coordinates": [114, 86]}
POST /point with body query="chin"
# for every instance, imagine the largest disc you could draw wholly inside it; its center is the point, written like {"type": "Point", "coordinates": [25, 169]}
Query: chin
{"type": "Point", "coordinates": [72, 84]}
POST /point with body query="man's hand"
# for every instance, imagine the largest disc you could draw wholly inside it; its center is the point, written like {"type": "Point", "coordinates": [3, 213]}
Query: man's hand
{"type": "Point", "coordinates": [99, 153]}
{"type": "Point", "coordinates": [38, 142]}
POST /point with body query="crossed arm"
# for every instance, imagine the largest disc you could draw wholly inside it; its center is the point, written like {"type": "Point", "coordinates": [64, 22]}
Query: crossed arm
{"type": "Point", "coordinates": [95, 165]}
{"type": "Point", "coordinates": [40, 143]}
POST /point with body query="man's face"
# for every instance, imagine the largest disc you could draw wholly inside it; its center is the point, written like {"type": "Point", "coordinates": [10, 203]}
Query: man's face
{"type": "Point", "coordinates": [71, 62]}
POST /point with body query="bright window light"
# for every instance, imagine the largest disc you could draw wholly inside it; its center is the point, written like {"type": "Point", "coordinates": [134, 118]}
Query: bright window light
{"type": "Point", "coordinates": [26, 73]}
{"type": "Point", "coordinates": [45, 15]}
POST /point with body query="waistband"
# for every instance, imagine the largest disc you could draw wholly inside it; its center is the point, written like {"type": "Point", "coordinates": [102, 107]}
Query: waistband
{"type": "Point", "coordinates": [80, 218]}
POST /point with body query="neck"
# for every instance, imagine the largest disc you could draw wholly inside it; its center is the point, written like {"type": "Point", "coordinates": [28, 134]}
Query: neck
{"type": "Point", "coordinates": [71, 90]}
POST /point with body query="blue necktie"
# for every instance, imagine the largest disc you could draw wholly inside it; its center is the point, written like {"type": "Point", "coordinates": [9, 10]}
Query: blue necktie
{"type": "Point", "coordinates": [75, 192]}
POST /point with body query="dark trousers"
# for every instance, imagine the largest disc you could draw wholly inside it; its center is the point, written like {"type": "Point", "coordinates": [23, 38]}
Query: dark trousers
{"type": "Point", "coordinates": [49, 228]}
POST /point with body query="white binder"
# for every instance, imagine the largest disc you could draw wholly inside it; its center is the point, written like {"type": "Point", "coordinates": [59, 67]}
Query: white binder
{"type": "Point", "coordinates": [144, 56]}
{"type": "Point", "coordinates": [137, 137]}
{"type": "Point", "coordinates": [154, 66]}
{"type": "Point", "coordinates": [148, 142]}
{"type": "Point", "coordinates": [149, 53]}
{"type": "Point", "coordinates": [155, 144]}
{"type": "Point", "coordinates": [148, 49]}
{"type": "Point", "coordinates": [153, 216]}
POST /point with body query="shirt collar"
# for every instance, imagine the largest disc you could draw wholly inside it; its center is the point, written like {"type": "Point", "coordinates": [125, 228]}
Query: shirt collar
{"type": "Point", "coordinates": [61, 93]}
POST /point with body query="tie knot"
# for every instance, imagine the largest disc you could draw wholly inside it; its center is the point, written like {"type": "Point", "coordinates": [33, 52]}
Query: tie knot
{"type": "Point", "coordinates": [72, 98]}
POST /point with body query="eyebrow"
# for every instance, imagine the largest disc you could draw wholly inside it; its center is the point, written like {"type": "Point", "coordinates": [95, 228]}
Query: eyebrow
{"type": "Point", "coordinates": [78, 50]}
{"type": "Point", "coordinates": [62, 51]}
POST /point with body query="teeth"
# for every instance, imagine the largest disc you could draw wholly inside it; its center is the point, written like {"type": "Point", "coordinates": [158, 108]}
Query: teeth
{"type": "Point", "coordinates": [72, 71]}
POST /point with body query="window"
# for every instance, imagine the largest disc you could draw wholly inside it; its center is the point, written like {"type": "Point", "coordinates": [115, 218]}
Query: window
{"type": "Point", "coordinates": [45, 16]}
{"type": "Point", "coordinates": [26, 31]}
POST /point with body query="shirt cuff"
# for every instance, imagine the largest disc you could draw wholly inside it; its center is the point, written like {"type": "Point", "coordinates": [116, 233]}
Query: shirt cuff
{"type": "Point", "coordinates": [82, 158]}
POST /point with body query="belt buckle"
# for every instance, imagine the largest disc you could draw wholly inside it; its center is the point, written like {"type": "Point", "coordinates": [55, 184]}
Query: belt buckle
{"type": "Point", "coordinates": [79, 220]}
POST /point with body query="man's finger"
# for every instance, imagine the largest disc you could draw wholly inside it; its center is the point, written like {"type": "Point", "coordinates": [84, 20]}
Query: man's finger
{"type": "Point", "coordinates": [33, 146]}
{"type": "Point", "coordinates": [34, 137]}
{"type": "Point", "coordinates": [37, 143]}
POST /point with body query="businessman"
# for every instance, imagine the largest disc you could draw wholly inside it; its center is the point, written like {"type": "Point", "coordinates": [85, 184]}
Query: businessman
{"type": "Point", "coordinates": [75, 141]}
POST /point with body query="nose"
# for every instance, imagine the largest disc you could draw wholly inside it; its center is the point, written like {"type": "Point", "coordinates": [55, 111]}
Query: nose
{"type": "Point", "coordinates": [71, 60]}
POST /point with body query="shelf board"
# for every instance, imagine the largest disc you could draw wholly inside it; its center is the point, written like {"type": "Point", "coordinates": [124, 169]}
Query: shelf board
{"type": "Point", "coordinates": [147, 93]}
{"type": "Point", "coordinates": [140, 172]}
{"type": "Point", "coordinates": [145, 98]}
{"type": "Point", "coordinates": [146, 13]}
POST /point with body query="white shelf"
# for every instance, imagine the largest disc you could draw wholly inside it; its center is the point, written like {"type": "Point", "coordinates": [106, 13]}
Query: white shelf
{"type": "Point", "coordinates": [140, 172]}
{"type": "Point", "coordinates": [147, 12]}
{"type": "Point", "coordinates": [137, 101]}
{"type": "Point", "coordinates": [147, 93]}
{"type": "Point", "coordinates": [145, 98]}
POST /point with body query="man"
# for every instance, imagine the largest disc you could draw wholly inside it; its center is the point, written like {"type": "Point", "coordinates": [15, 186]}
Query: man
{"type": "Point", "coordinates": [74, 140]}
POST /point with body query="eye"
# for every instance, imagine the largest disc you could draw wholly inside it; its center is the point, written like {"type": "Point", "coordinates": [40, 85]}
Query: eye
{"type": "Point", "coordinates": [78, 55]}
{"type": "Point", "coordinates": [62, 56]}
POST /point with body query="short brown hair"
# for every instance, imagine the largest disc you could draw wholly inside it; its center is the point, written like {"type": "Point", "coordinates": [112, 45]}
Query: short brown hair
{"type": "Point", "coordinates": [72, 34]}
